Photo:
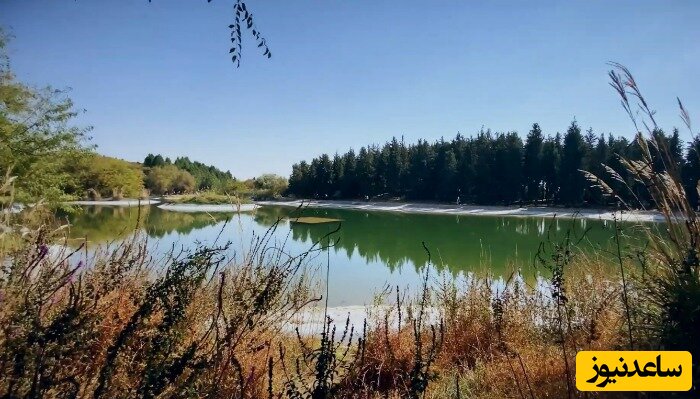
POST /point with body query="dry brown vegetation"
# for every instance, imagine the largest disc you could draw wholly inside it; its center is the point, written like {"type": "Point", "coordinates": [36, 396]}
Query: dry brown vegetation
{"type": "Point", "coordinates": [122, 325]}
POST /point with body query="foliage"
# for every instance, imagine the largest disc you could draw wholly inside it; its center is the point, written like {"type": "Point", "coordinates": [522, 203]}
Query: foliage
{"type": "Point", "coordinates": [37, 141]}
{"type": "Point", "coordinates": [204, 198]}
{"type": "Point", "coordinates": [269, 186]}
{"type": "Point", "coordinates": [155, 160]}
{"type": "Point", "coordinates": [544, 169]}
{"type": "Point", "coordinates": [320, 372]}
{"type": "Point", "coordinates": [207, 177]}
{"type": "Point", "coordinates": [169, 179]}
{"type": "Point", "coordinates": [242, 17]}
{"type": "Point", "coordinates": [101, 176]}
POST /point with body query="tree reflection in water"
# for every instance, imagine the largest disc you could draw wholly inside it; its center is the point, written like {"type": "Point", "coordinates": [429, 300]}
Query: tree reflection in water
{"type": "Point", "coordinates": [458, 243]}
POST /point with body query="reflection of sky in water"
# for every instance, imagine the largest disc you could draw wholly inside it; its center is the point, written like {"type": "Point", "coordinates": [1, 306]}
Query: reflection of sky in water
{"type": "Point", "coordinates": [353, 279]}
{"type": "Point", "coordinates": [374, 249]}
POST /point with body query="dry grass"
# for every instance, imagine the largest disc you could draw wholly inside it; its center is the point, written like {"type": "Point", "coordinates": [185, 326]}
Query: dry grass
{"type": "Point", "coordinates": [126, 325]}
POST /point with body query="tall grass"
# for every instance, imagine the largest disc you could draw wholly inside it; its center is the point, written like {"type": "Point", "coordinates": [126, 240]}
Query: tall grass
{"type": "Point", "coordinates": [668, 290]}
{"type": "Point", "coordinates": [127, 325]}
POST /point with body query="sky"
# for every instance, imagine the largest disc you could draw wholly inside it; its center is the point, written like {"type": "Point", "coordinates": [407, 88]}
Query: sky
{"type": "Point", "coordinates": [157, 78]}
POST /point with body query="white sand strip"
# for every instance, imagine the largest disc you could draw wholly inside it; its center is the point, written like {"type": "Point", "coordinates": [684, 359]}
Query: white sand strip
{"type": "Point", "coordinates": [446, 209]}
{"type": "Point", "coordinates": [124, 202]}
{"type": "Point", "coordinates": [209, 208]}
{"type": "Point", "coordinates": [310, 320]}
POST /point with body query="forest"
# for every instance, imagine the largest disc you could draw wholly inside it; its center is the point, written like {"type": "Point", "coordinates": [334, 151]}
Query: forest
{"type": "Point", "coordinates": [494, 168]}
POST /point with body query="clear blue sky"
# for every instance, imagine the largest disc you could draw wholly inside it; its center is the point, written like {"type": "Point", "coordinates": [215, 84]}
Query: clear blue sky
{"type": "Point", "coordinates": [157, 77]}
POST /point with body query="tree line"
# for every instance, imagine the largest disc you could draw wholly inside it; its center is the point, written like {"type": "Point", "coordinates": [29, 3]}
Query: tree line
{"type": "Point", "coordinates": [206, 177]}
{"type": "Point", "coordinates": [184, 176]}
{"type": "Point", "coordinates": [494, 168]}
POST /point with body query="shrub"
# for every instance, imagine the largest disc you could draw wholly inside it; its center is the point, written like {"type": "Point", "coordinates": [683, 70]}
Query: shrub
{"type": "Point", "coordinates": [169, 179]}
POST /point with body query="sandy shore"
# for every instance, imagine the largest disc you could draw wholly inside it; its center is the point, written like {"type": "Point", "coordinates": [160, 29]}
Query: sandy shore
{"type": "Point", "coordinates": [310, 320]}
{"type": "Point", "coordinates": [124, 202]}
{"type": "Point", "coordinates": [447, 209]}
{"type": "Point", "coordinates": [208, 208]}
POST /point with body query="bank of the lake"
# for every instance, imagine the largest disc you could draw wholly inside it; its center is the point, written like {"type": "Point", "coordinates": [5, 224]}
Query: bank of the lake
{"type": "Point", "coordinates": [163, 203]}
{"type": "Point", "coordinates": [122, 202]}
{"type": "Point", "coordinates": [474, 210]}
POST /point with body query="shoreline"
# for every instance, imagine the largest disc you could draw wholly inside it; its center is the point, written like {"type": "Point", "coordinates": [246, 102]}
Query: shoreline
{"type": "Point", "coordinates": [209, 208]}
{"type": "Point", "coordinates": [474, 210]}
{"type": "Point", "coordinates": [401, 207]}
{"type": "Point", "coordinates": [173, 207]}
{"type": "Point", "coordinates": [123, 202]}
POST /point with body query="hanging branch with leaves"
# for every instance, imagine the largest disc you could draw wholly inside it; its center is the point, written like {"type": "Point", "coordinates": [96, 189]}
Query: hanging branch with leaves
{"type": "Point", "coordinates": [243, 16]}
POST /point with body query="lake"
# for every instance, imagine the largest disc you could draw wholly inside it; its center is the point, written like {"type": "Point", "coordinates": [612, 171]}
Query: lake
{"type": "Point", "coordinates": [374, 249]}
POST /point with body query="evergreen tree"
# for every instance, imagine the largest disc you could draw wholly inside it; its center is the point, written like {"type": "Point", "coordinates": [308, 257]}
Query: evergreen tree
{"type": "Point", "coordinates": [299, 180]}
{"type": "Point", "coordinates": [421, 164]}
{"type": "Point", "coordinates": [445, 174]}
{"type": "Point", "coordinates": [324, 176]}
{"type": "Point", "coordinates": [489, 168]}
{"type": "Point", "coordinates": [365, 173]}
{"type": "Point", "coordinates": [675, 149]}
{"type": "Point", "coordinates": [338, 169]}
{"type": "Point", "coordinates": [349, 185]}
{"type": "Point", "coordinates": [551, 160]}
{"type": "Point", "coordinates": [573, 184]}
{"type": "Point", "coordinates": [532, 164]}
{"type": "Point", "coordinates": [395, 168]}
{"type": "Point", "coordinates": [484, 187]}
{"type": "Point", "coordinates": [597, 157]}
{"type": "Point", "coordinates": [148, 161]}
{"type": "Point", "coordinates": [691, 172]}
{"type": "Point", "coordinates": [509, 153]}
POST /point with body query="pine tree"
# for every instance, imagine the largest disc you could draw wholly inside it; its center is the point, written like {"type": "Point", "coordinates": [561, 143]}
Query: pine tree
{"type": "Point", "coordinates": [551, 161]}
{"type": "Point", "coordinates": [338, 169]}
{"type": "Point", "coordinates": [691, 172]}
{"type": "Point", "coordinates": [445, 174]}
{"type": "Point", "coordinates": [421, 165]}
{"type": "Point", "coordinates": [349, 185]}
{"type": "Point", "coordinates": [365, 173]}
{"type": "Point", "coordinates": [573, 184]}
{"type": "Point", "coordinates": [532, 164]}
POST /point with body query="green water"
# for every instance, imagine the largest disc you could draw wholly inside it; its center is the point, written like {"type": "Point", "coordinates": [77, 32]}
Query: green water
{"type": "Point", "coordinates": [373, 249]}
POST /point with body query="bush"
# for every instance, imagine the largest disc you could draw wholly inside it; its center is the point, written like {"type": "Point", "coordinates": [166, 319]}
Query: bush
{"type": "Point", "coordinates": [108, 177]}
{"type": "Point", "coordinates": [124, 326]}
{"type": "Point", "coordinates": [169, 179]}
{"type": "Point", "coordinates": [270, 186]}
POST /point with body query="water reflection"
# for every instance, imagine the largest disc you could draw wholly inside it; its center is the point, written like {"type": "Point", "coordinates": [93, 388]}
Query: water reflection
{"type": "Point", "coordinates": [374, 248]}
{"type": "Point", "coordinates": [457, 243]}
{"type": "Point", "coordinates": [109, 223]}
